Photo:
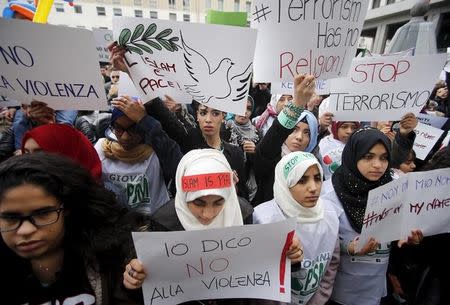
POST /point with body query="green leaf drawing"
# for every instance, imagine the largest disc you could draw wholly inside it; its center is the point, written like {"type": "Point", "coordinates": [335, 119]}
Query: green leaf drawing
{"type": "Point", "coordinates": [150, 31]}
{"type": "Point", "coordinates": [164, 33]}
{"type": "Point", "coordinates": [124, 37]}
{"type": "Point", "coordinates": [142, 41]}
{"type": "Point", "coordinates": [137, 32]}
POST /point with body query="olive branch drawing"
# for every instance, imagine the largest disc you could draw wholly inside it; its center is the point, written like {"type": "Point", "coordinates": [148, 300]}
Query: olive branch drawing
{"type": "Point", "coordinates": [141, 40]}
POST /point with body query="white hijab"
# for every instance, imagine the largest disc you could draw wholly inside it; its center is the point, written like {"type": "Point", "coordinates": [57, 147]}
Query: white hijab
{"type": "Point", "coordinates": [288, 172]}
{"type": "Point", "coordinates": [199, 162]}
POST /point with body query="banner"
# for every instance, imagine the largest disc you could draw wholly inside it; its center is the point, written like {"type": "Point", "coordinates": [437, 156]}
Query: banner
{"type": "Point", "coordinates": [426, 138]}
{"type": "Point", "coordinates": [315, 37]}
{"type": "Point", "coordinates": [103, 38]}
{"type": "Point", "coordinates": [432, 120]}
{"type": "Point", "coordinates": [52, 64]}
{"type": "Point", "coordinates": [384, 88]}
{"type": "Point", "coordinates": [414, 201]}
{"type": "Point", "coordinates": [236, 262]}
{"type": "Point", "coordinates": [209, 63]}
{"type": "Point", "coordinates": [322, 87]}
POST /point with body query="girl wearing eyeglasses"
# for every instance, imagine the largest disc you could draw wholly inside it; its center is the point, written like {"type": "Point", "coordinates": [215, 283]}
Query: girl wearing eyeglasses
{"type": "Point", "coordinates": [63, 236]}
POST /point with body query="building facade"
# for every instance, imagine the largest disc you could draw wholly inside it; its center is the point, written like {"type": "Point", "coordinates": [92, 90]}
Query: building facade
{"type": "Point", "coordinates": [384, 17]}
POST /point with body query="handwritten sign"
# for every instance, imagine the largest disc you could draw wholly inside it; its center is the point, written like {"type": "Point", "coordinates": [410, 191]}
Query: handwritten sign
{"type": "Point", "coordinates": [209, 63]}
{"type": "Point", "coordinates": [432, 120]}
{"type": "Point", "coordinates": [426, 138]}
{"type": "Point", "coordinates": [322, 87]}
{"type": "Point", "coordinates": [414, 201]}
{"type": "Point", "coordinates": [315, 37]}
{"type": "Point", "coordinates": [103, 38]}
{"type": "Point", "coordinates": [237, 262]}
{"type": "Point", "coordinates": [42, 62]}
{"type": "Point", "coordinates": [6, 102]}
{"type": "Point", "coordinates": [384, 88]}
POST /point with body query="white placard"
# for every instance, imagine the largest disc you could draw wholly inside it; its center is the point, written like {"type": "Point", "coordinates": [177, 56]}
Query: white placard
{"type": "Point", "coordinates": [322, 87]}
{"type": "Point", "coordinates": [211, 64]}
{"type": "Point", "coordinates": [426, 138]}
{"type": "Point", "coordinates": [126, 86]}
{"type": "Point", "coordinates": [315, 37]}
{"type": "Point", "coordinates": [414, 201]}
{"type": "Point", "coordinates": [103, 38]}
{"type": "Point", "coordinates": [6, 102]}
{"type": "Point", "coordinates": [432, 120]}
{"type": "Point", "coordinates": [384, 88]}
{"type": "Point", "coordinates": [52, 64]}
{"type": "Point", "coordinates": [235, 262]}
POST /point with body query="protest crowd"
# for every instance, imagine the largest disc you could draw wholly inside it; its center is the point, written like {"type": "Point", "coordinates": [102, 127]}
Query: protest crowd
{"type": "Point", "coordinates": [75, 184]}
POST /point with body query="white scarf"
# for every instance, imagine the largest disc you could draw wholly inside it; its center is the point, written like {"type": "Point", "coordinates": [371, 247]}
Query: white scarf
{"type": "Point", "coordinates": [288, 172]}
{"type": "Point", "coordinates": [206, 161]}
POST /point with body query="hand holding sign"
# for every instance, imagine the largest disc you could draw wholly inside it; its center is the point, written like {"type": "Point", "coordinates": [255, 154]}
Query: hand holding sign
{"type": "Point", "coordinates": [414, 239]}
{"type": "Point", "coordinates": [408, 123]}
{"type": "Point", "coordinates": [117, 57]}
{"type": "Point", "coordinates": [134, 274]}
{"type": "Point", "coordinates": [134, 110]}
{"type": "Point", "coordinates": [370, 246]}
{"type": "Point", "coordinates": [295, 252]}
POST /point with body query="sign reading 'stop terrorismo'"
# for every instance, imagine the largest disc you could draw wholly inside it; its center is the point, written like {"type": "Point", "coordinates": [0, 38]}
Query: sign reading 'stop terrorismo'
{"type": "Point", "coordinates": [237, 262]}
{"type": "Point", "coordinates": [211, 64]}
{"type": "Point", "coordinates": [52, 64]}
{"type": "Point", "coordinates": [384, 87]}
{"type": "Point", "coordinates": [303, 36]}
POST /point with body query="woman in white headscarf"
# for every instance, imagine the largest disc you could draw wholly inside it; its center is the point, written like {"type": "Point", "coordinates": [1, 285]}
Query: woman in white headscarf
{"type": "Point", "coordinates": [298, 181]}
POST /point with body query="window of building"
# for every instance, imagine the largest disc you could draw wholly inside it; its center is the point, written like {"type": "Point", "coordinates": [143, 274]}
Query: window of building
{"type": "Point", "coordinates": [172, 4]}
{"type": "Point", "coordinates": [207, 4]}
{"type": "Point", "coordinates": [138, 13]}
{"type": "Point", "coordinates": [248, 6]}
{"type": "Point", "coordinates": [153, 4]}
{"type": "Point", "coordinates": [390, 2]}
{"type": "Point", "coordinates": [117, 11]}
{"type": "Point", "coordinates": [173, 16]}
{"type": "Point", "coordinates": [220, 5]}
{"type": "Point", "coordinates": [77, 9]}
{"type": "Point", "coordinates": [101, 11]}
{"type": "Point", "coordinates": [376, 3]}
{"type": "Point", "coordinates": [237, 4]}
{"type": "Point", "coordinates": [138, 2]}
{"type": "Point", "coordinates": [186, 17]}
{"type": "Point", "coordinates": [186, 4]}
{"type": "Point", "coordinates": [153, 15]}
{"type": "Point", "coordinates": [116, 2]}
{"type": "Point", "coordinates": [59, 7]}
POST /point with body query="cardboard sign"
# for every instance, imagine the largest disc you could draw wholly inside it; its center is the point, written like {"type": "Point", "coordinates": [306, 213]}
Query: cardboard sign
{"type": "Point", "coordinates": [126, 86]}
{"type": "Point", "coordinates": [236, 262]}
{"type": "Point", "coordinates": [322, 87]}
{"type": "Point", "coordinates": [426, 138]}
{"type": "Point", "coordinates": [211, 64]}
{"type": "Point", "coordinates": [43, 63]}
{"type": "Point", "coordinates": [315, 37]}
{"type": "Point", "coordinates": [384, 88]}
{"type": "Point", "coordinates": [103, 38]}
{"type": "Point", "coordinates": [414, 201]}
{"type": "Point", "coordinates": [432, 120]}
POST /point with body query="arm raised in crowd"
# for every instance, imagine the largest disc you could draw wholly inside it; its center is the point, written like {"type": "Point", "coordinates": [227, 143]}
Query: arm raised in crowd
{"type": "Point", "coordinates": [404, 140]}
{"type": "Point", "coordinates": [166, 149]}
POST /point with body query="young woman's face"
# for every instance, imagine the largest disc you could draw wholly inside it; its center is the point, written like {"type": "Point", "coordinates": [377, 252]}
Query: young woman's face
{"type": "Point", "coordinates": [28, 240]}
{"type": "Point", "coordinates": [206, 208]}
{"type": "Point", "coordinates": [126, 133]}
{"type": "Point", "coordinates": [209, 120]}
{"type": "Point", "coordinates": [298, 140]}
{"type": "Point", "coordinates": [31, 146]}
{"type": "Point", "coordinates": [345, 131]}
{"type": "Point", "coordinates": [409, 165]}
{"type": "Point", "coordinates": [244, 119]}
{"type": "Point", "coordinates": [374, 164]}
{"type": "Point", "coordinates": [307, 190]}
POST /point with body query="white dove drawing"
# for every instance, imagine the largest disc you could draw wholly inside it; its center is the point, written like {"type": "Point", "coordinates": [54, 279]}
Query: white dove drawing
{"type": "Point", "coordinates": [233, 87]}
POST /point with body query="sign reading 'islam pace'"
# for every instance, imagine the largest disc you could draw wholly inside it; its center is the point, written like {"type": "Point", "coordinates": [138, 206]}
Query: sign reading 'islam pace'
{"type": "Point", "coordinates": [211, 64]}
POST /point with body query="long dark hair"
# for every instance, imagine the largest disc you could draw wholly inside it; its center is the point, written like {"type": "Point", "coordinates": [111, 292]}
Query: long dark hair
{"type": "Point", "coordinates": [97, 228]}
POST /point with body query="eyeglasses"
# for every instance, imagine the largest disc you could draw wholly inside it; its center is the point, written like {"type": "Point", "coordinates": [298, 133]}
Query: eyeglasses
{"type": "Point", "coordinates": [38, 219]}
{"type": "Point", "coordinates": [119, 130]}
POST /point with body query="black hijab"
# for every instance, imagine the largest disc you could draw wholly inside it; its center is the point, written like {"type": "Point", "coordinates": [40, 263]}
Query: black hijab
{"type": "Point", "coordinates": [351, 187]}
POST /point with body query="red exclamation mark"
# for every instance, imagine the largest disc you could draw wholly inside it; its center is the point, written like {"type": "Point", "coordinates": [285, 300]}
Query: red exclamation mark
{"type": "Point", "coordinates": [286, 247]}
